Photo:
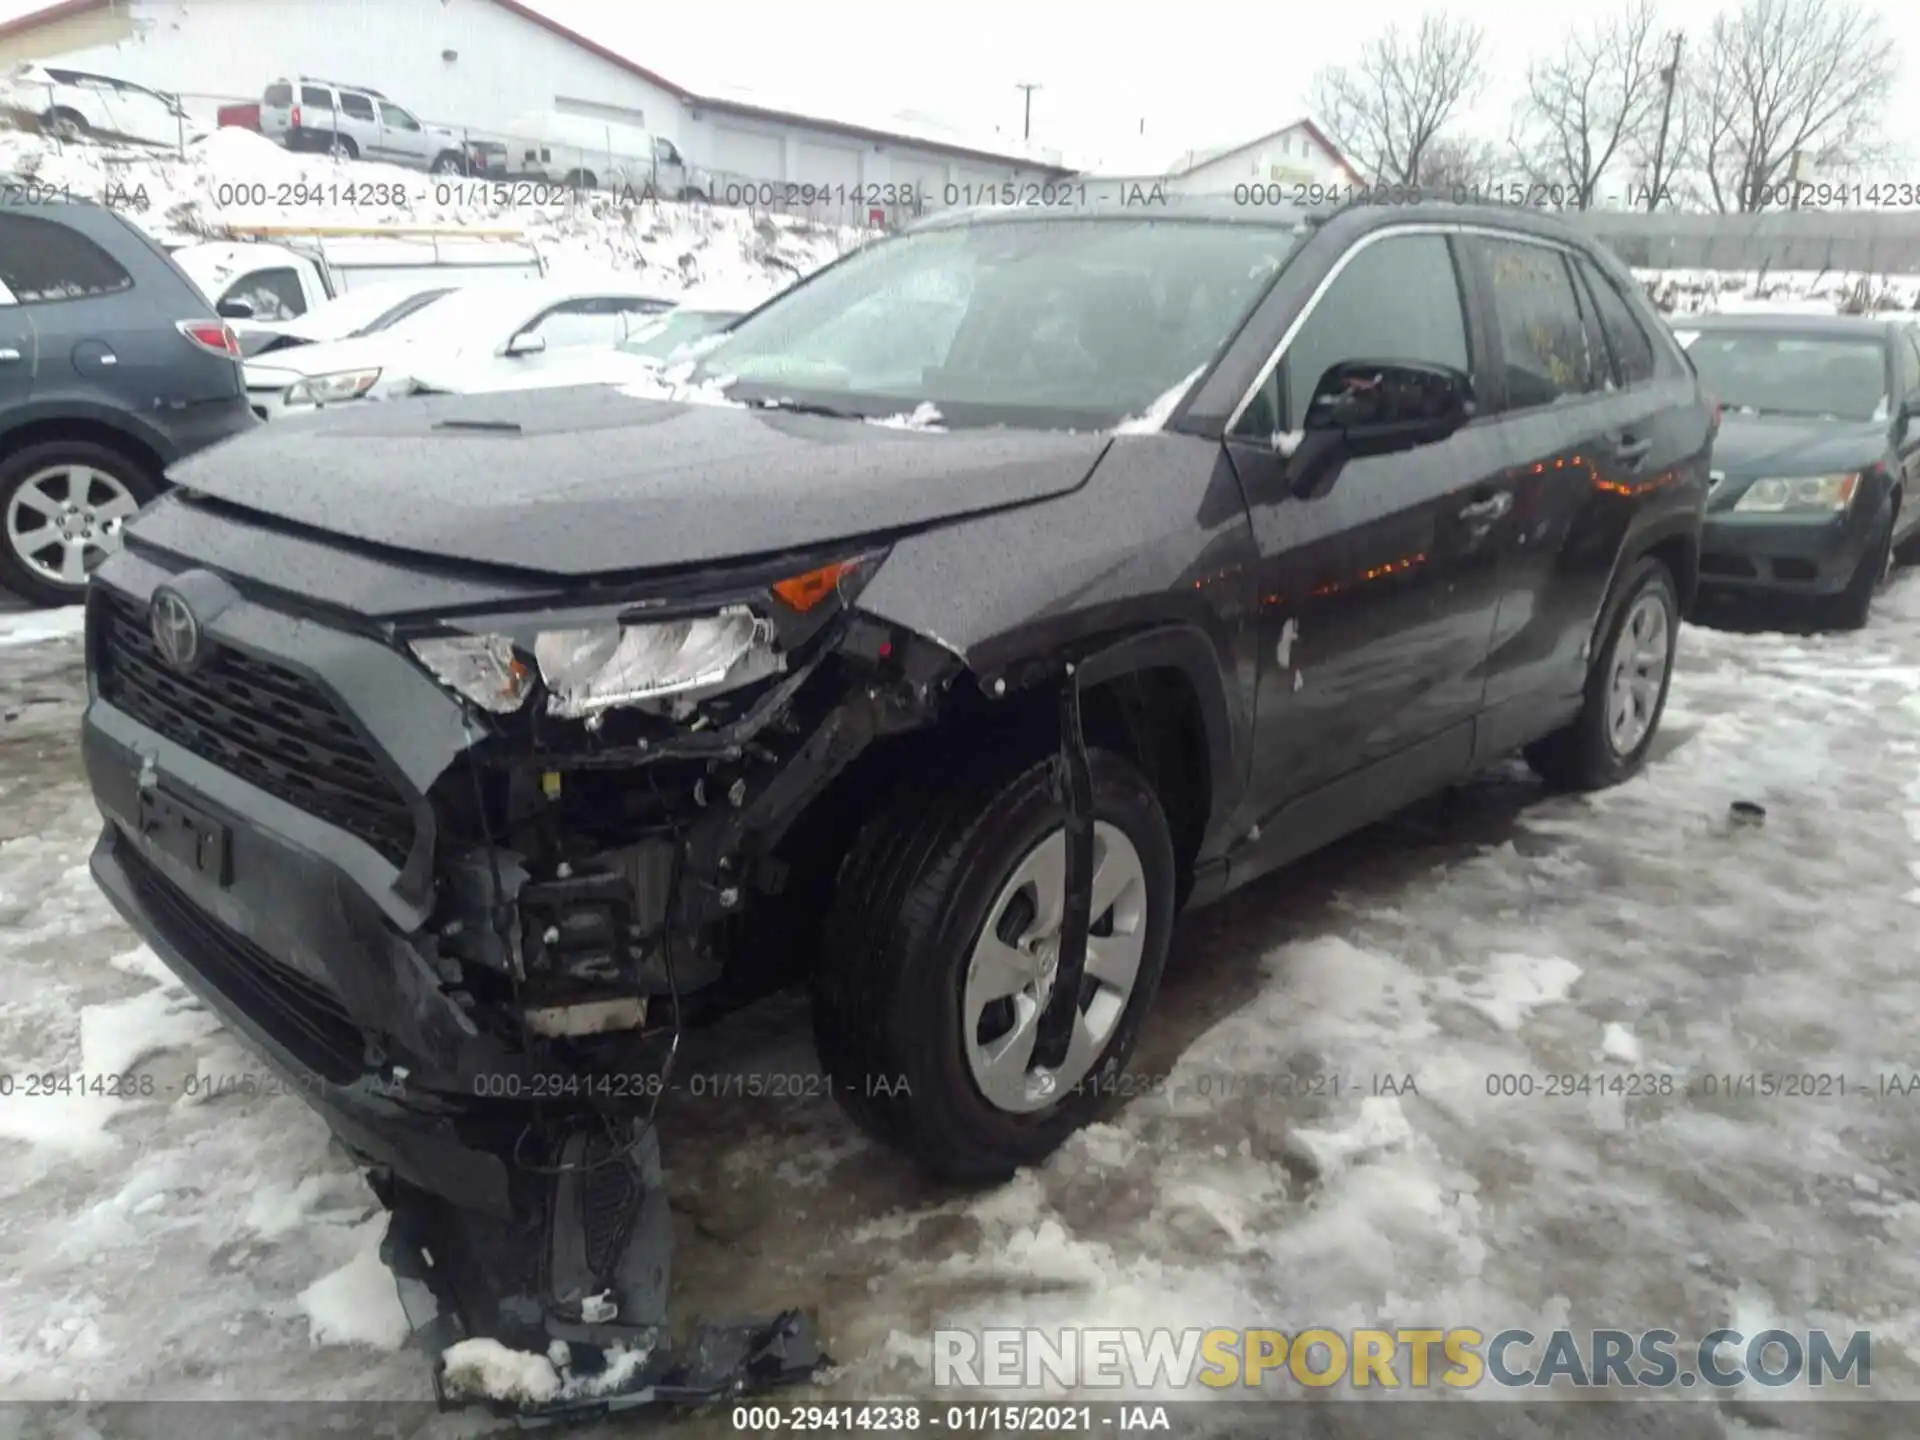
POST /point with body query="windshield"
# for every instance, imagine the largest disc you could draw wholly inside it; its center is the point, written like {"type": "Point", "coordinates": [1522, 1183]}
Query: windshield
{"type": "Point", "coordinates": [475, 315]}
{"type": "Point", "coordinates": [1051, 322]}
{"type": "Point", "coordinates": [660, 338]}
{"type": "Point", "coordinates": [1777, 372]}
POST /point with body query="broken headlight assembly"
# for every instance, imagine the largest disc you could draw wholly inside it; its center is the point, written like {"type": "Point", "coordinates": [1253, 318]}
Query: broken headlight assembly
{"type": "Point", "coordinates": [605, 663]}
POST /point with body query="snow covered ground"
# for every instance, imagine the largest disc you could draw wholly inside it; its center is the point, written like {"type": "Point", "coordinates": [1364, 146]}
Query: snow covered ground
{"type": "Point", "coordinates": [1812, 292]}
{"type": "Point", "coordinates": [208, 1248]}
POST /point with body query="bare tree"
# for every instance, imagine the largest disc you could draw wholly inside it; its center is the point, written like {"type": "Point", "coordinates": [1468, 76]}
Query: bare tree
{"type": "Point", "coordinates": [1782, 78]}
{"type": "Point", "coordinates": [1583, 102]}
{"type": "Point", "coordinates": [1662, 152]}
{"type": "Point", "coordinates": [1386, 108]}
{"type": "Point", "coordinates": [1467, 166]}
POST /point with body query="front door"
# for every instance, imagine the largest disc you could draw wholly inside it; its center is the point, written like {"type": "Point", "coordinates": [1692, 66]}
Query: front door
{"type": "Point", "coordinates": [1377, 597]}
{"type": "Point", "coordinates": [402, 140]}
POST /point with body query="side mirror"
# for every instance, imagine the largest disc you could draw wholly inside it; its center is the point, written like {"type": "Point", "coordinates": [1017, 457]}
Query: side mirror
{"type": "Point", "coordinates": [1377, 407]}
{"type": "Point", "coordinates": [234, 310]}
{"type": "Point", "coordinates": [526, 345]}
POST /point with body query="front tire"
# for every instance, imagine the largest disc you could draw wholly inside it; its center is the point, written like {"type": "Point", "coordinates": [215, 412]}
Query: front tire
{"type": "Point", "coordinates": [936, 963]}
{"type": "Point", "coordinates": [63, 503]}
{"type": "Point", "coordinates": [1850, 608]}
{"type": "Point", "coordinates": [1626, 694]}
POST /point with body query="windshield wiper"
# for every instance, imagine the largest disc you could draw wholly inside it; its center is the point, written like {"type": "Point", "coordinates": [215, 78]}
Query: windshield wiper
{"type": "Point", "coordinates": [806, 407]}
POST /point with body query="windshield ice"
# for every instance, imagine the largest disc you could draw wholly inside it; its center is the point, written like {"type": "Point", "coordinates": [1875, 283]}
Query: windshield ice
{"type": "Point", "coordinates": [1046, 321]}
{"type": "Point", "coordinates": [1777, 372]}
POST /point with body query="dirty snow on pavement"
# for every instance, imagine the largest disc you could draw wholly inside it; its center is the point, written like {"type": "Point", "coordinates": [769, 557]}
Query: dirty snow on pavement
{"type": "Point", "coordinates": [1317, 1136]}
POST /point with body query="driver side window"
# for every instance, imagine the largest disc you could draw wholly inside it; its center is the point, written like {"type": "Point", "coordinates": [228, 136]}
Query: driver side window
{"type": "Point", "coordinates": [1397, 298]}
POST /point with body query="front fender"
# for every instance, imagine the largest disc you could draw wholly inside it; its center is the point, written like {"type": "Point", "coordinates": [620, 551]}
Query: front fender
{"type": "Point", "coordinates": [1149, 565]}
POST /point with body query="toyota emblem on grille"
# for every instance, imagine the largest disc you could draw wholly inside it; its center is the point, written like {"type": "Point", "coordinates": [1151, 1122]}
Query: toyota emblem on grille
{"type": "Point", "coordinates": [175, 631]}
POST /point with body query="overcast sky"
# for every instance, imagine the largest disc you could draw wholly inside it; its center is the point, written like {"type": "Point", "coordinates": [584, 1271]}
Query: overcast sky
{"type": "Point", "coordinates": [1197, 72]}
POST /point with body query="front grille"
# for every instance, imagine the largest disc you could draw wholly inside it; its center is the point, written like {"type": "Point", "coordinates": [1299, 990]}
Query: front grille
{"type": "Point", "coordinates": [262, 722]}
{"type": "Point", "coordinates": [299, 1014]}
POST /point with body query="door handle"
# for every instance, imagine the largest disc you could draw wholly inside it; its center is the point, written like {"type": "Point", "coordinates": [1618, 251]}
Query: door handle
{"type": "Point", "coordinates": [1491, 508]}
{"type": "Point", "coordinates": [8, 355]}
{"type": "Point", "coordinates": [1631, 450]}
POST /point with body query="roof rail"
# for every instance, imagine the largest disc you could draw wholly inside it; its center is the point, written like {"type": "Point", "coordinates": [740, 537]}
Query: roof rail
{"type": "Point", "coordinates": [1392, 195]}
{"type": "Point", "coordinates": [340, 85]}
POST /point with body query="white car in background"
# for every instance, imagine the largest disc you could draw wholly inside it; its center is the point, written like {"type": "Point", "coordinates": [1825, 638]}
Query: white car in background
{"type": "Point", "coordinates": [361, 312]}
{"type": "Point", "coordinates": [515, 328]}
{"type": "Point", "coordinates": [75, 104]}
{"type": "Point", "coordinates": [701, 315]}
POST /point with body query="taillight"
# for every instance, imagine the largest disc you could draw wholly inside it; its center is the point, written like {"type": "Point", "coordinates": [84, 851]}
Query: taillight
{"type": "Point", "coordinates": [214, 336]}
{"type": "Point", "coordinates": [293, 117]}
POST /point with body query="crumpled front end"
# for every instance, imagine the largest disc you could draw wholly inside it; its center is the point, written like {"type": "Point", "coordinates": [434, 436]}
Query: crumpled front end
{"type": "Point", "coordinates": [470, 911]}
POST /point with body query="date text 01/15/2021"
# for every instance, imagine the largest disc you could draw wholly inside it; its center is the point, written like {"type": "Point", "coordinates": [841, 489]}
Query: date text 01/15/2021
{"type": "Point", "coordinates": [140, 1085]}
{"type": "Point", "coordinates": [987, 1418]}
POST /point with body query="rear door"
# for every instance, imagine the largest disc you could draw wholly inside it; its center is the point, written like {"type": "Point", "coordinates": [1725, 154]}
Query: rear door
{"type": "Point", "coordinates": [17, 344]}
{"type": "Point", "coordinates": [1583, 406]}
{"type": "Point", "coordinates": [1907, 342]}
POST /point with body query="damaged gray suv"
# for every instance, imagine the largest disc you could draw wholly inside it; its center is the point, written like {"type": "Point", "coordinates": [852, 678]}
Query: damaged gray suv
{"type": "Point", "coordinates": [932, 640]}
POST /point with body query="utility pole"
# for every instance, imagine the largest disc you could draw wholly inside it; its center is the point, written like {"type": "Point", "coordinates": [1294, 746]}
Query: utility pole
{"type": "Point", "coordinates": [1026, 132]}
{"type": "Point", "coordinates": [1670, 78]}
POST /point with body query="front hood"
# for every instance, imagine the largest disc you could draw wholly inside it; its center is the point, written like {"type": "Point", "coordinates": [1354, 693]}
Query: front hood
{"type": "Point", "coordinates": [1750, 446]}
{"type": "Point", "coordinates": [594, 481]}
{"type": "Point", "coordinates": [279, 368]}
{"type": "Point", "coordinates": [597, 366]}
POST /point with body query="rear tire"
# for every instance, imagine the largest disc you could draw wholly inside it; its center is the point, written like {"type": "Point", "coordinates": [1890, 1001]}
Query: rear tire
{"type": "Point", "coordinates": [449, 162]}
{"type": "Point", "coordinates": [341, 147]}
{"type": "Point", "coordinates": [579, 180]}
{"type": "Point", "coordinates": [1850, 608]}
{"type": "Point", "coordinates": [35, 484]}
{"type": "Point", "coordinates": [901, 960]}
{"type": "Point", "coordinates": [1609, 739]}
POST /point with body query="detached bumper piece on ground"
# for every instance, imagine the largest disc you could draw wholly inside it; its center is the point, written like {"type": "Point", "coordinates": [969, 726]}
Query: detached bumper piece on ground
{"type": "Point", "coordinates": [568, 1299]}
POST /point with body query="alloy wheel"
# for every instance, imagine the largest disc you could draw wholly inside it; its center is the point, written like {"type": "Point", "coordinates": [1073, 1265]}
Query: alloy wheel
{"type": "Point", "coordinates": [1640, 659]}
{"type": "Point", "coordinates": [1011, 971]}
{"type": "Point", "coordinates": [63, 515]}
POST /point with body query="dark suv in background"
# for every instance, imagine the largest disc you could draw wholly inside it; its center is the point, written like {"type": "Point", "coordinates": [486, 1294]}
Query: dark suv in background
{"type": "Point", "coordinates": [112, 366]}
{"type": "Point", "coordinates": [1242, 529]}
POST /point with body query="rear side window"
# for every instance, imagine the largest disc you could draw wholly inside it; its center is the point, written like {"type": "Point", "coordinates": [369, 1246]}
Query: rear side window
{"type": "Point", "coordinates": [358, 106]}
{"type": "Point", "coordinates": [1626, 338]}
{"type": "Point", "coordinates": [315, 96]}
{"type": "Point", "coordinates": [278, 95]}
{"type": "Point", "coordinates": [1396, 299]}
{"type": "Point", "coordinates": [42, 260]}
{"type": "Point", "coordinates": [1910, 362]}
{"type": "Point", "coordinates": [1543, 340]}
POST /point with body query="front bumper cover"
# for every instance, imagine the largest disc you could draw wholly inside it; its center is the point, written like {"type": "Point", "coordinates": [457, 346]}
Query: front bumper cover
{"type": "Point", "coordinates": [1812, 555]}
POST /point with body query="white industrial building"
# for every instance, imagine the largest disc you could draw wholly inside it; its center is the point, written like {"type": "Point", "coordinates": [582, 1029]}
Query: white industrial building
{"type": "Point", "coordinates": [477, 65]}
{"type": "Point", "coordinates": [1299, 155]}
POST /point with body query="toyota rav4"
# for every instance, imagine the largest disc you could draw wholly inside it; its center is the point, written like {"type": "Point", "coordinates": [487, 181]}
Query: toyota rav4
{"type": "Point", "coordinates": [933, 639]}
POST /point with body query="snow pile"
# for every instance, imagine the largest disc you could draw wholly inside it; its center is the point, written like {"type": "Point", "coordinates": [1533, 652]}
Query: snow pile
{"type": "Point", "coordinates": [482, 1369]}
{"type": "Point", "coordinates": [234, 177]}
{"type": "Point", "coordinates": [358, 1304]}
{"type": "Point", "coordinates": [1805, 292]}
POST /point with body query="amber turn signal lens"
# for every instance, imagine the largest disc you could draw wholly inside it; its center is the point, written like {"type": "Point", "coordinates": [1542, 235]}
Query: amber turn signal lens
{"type": "Point", "coordinates": [803, 592]}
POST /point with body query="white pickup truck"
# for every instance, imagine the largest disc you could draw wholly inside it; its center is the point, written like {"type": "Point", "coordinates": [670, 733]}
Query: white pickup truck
{"type": "Point", "coordinates": [283, 278]}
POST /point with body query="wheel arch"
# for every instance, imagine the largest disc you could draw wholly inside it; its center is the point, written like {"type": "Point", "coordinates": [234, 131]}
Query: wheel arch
{"type": "Point", "coordinates": [87, 428]}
